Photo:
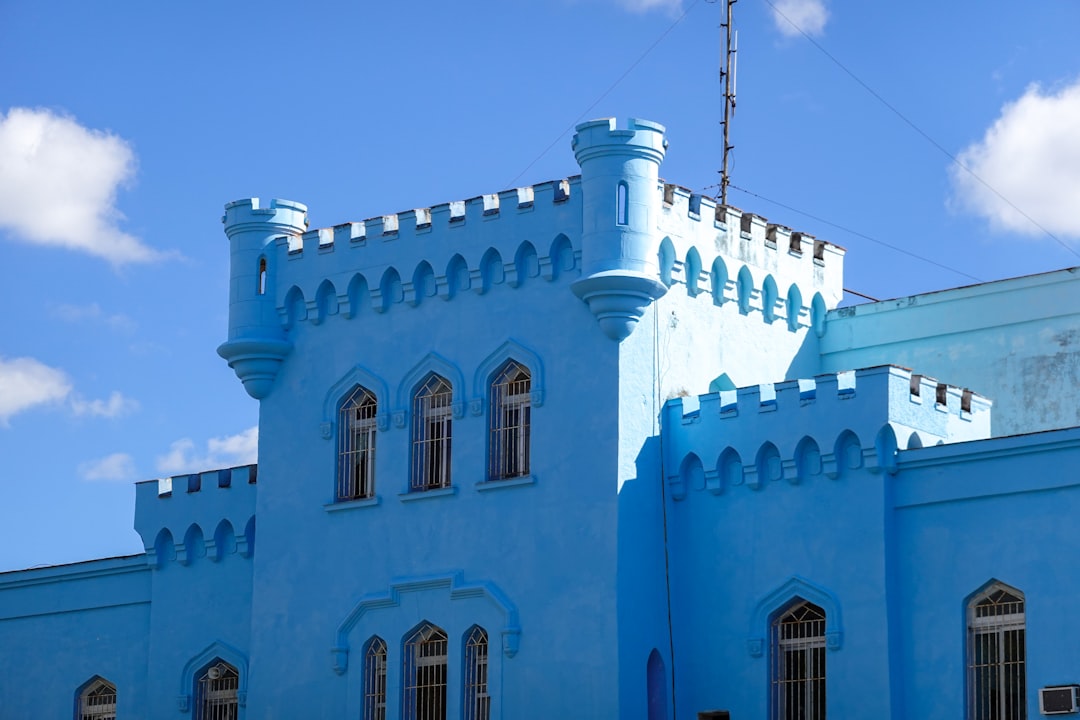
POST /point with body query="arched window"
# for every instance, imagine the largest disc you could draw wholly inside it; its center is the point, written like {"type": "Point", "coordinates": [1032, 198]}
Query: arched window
{"type": "Point", "coordinates": [375, 680]}
{"type": "Point", "coordinates": [424, 676]}
{"type": "Point", "coordinates": [622, 204]}
{"type": "Point", "coordinates": [476, 697]}
{"type": "Point", "coordinates": [797, 649]}
{"type": "Point", "coordinates": [216, 692]}
{"type": "Point", "coordinates": [432, 421]}
{"type": "Point", "coordinates": [656, 687]}
{"type": "Point", "coordinates": [997, 680]}
{"type": "Point", "coordinates": [97, 701]}
{"type": "Point", "coordinates": [356, 445]}
{"type": "Point", "coordinates": [509, 420]}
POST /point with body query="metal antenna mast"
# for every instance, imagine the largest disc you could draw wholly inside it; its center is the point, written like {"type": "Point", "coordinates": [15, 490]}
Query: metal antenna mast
{"type": "Point", "coordinates": [727, 76]}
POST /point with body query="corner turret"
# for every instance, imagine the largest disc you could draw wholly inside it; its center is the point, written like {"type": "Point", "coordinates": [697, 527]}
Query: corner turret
{"type": "Point", "coordinates": [257, 343]}
{"type": "Point", "coordinates": [620, 174]}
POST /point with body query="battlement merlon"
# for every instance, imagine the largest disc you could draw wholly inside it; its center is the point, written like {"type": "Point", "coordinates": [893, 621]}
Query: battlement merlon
{"type": "Point", "coordinates": [918, 410]}
{"type": "Point", "coordinates": [256, 344]}
{"type": "Point", "coordinates": [215, 508]}
{"type": "Point", "coordinates": [279, 217]}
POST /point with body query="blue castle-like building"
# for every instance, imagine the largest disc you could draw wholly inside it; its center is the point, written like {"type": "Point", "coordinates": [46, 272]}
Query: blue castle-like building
{"type": "Point", "coordinates": [597, 448]}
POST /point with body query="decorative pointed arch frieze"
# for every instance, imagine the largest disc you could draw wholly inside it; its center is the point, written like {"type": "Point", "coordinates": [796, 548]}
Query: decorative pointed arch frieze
{"type": "Point", "coordinates": [456, 589]}
{"type": "Point", "coordinates": [357, 375]}
{"type": "Point", "coordinates": [509, 350]}
{"type": "Point", "coordinates": [432, 363]}
{"type": "Point", "coordinates": [793, 589]}
{"type": "Point", "coordinates": [214, 651]}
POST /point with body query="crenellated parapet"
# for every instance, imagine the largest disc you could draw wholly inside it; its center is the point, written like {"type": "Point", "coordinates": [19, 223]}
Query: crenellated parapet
{"type": "Point", "coordinates": [437, 253]}
{"type": "Point", "coordinates": [208, 515]}
{"type": "Point", "coordinates": [827, 425]}
{"type": "Point", "coordinates": [741, 258]}
{"type": "Point", "coordinates": [620, 235]}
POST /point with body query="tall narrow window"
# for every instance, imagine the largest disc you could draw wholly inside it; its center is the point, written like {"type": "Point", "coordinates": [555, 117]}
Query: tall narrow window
{"type": "Point", "coordinates": [432, 421]}
{"type": "Point", "coordinates": [797, 646]}
{"type": "Point", "coordinates": [477, 699]}
{"type": "Point", "coordinates": [262, 276]}
{"type": "Point", "coordinates": [509, 420]}
{"type": "Point", "coordinates": [424, 674]}
{"type": "Point", "coordinates": [997, 680]}
{"type": "Point", "coordinates": [356, 445]}
{"type": "Point", "coordinates": [97, 701]}
{"type": "Point", "coordinates": [216, 692]}
{"type": "Point", "coordinates": [375, 680]}
{"type": "Point", "coordinates": [622, 204]}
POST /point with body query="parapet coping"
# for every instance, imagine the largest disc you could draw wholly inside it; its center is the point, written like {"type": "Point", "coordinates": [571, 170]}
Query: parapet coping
{"type": "Point", "coordinates": [765, 396]}
{"type": "Point", "coordinates": [422, 220]}
{"type": "Point", "coordinates": [193, 482]}
{"type": "Point", "coordinates": [963, 292]}
{"type": "Point", "coordinates": [65, 572]}
{"type": "Point", "coordinates": [726, 217]}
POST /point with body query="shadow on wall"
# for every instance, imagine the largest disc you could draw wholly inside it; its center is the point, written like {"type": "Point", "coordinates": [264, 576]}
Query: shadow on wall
{"type": "Point", "coordinates": [644, 637]}
{"type": "Point", "coordinates": [807, 361]}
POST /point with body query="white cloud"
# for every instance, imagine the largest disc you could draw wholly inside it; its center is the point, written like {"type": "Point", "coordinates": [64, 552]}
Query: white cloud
{"type": "Point", "coordinates": [26, 383]}
{"type": "Point", "coordinates": [117, 467]}
{"type": "Point", "coordinates": [1031, 155]}
{"type": "Point", "coordinates": [93, 313]}
{"type": "Point", "coordinates": [115, 406]}
{"type": "Point", "coordinates": [809, 15]}
{"type": "Point", "coordinates": [229, 451]}
{"type": "Point", "coordinates": [58, 184]}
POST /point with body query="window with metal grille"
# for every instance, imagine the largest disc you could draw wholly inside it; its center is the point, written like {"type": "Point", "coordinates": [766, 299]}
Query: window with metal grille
{"type": "Point", "coordinates": [375, 680]}
{"type": "Point", "coordinates": [997, 680]}
{"type": "Point", "coordinates": [477, 699]}
{"type": "Point", "coordinates": [216, 692]}
{"type": "Point", "coordinates": [356, 445]}
{"type": "Point", "coordinates": [511, 411]}
{"type": "Point", "coordinates": [424, 676]}
{"type": "Point", "coordinates": [98, 701]}
{"type": "Point", "coordinates": [797, 647]}
{"type": "Point", "coordinates": [432, 424]}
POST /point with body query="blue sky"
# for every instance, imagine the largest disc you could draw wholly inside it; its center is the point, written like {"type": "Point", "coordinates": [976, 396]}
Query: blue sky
{"type": "Point", "coordinates": [125, 127]}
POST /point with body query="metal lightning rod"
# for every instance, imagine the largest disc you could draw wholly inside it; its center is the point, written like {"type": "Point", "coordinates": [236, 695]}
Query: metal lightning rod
{"type": "Point", "coordinates": [727, 76]}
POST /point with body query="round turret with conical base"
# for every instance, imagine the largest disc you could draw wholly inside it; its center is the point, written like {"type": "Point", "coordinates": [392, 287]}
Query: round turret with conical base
{"type": "Point", "coordinates": [620, 175]}
{"type": "Point", "coordinates": [257, 344]}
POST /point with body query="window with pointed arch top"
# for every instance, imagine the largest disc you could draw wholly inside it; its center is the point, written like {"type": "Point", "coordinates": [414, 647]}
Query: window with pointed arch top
{"type": "Point", "coordinates": [375, 679]}
{"type": "Point", "coordinates": [431, 434]}
{"type": "Point", "coordinates": [476, 697]}
{"type": "Point", "coordinates": [622, 204]}
{"type": "Point", "coordinates": [262, 276]}
{"type": "Point", "coordinates": [510, 419]}
{"type": "Point", "coordinates": [356, 445]}
{"type": "Point", "coordinates": [424, 676]}
{"type": "Point", "coordinates": [996, 649]}
{"type": "Point", "coordinates": [97, 701]}
{"type": "Point", "coordinates": [797, 650]}
{"type": "Point", "coordinates": [217, 692]}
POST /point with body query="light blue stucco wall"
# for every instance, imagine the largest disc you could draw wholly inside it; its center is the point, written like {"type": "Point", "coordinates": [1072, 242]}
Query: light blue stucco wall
{"type": "Point", "coordinates": [1015, 341]}
{"type": "Point", "coordinates": [637, 561]}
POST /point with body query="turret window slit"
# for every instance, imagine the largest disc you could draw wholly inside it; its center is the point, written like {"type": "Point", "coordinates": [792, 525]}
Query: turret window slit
{"type": "Point", "coordinates": [622, 204]}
